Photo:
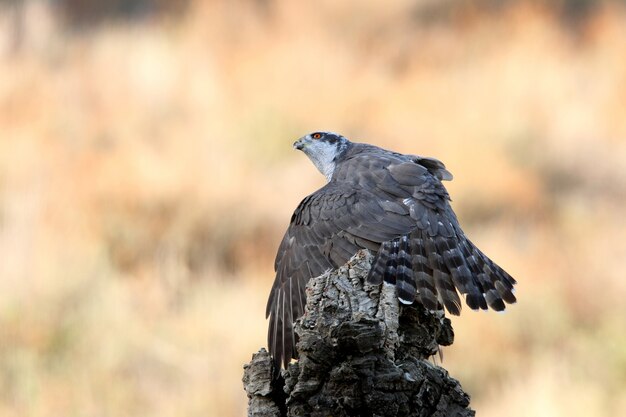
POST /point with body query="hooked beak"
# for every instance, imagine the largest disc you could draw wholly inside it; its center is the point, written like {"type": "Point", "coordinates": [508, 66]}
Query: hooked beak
{"type": "Point", "coordinates": [299, 144]}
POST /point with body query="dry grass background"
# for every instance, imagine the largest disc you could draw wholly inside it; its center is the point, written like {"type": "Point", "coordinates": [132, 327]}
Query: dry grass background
{"type": "Point", "coordinates": [147, 175]}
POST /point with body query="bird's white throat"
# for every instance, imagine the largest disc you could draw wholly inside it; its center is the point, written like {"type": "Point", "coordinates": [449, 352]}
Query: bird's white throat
{"type": "Point", "coordinates": [323, 157]}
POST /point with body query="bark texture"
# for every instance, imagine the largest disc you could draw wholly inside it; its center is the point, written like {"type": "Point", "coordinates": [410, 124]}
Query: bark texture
{"type": "Point", "coordinates": [360, 354]}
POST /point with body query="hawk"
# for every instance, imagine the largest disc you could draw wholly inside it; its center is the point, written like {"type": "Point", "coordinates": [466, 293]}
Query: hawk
{"type": "Point", "coordinates": [394, 205]}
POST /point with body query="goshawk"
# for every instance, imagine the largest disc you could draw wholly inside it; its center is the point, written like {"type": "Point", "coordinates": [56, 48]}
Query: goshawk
{"type": "Point", "coordinates": [394, 205]}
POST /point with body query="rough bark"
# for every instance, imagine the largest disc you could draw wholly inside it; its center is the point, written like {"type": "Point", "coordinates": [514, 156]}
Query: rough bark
{"type": "Point", "coordinates": [360, 354]}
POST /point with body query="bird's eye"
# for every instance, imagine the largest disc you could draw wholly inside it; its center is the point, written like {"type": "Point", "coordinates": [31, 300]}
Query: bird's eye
{"type": "Point", "coordinates": [316, 135]}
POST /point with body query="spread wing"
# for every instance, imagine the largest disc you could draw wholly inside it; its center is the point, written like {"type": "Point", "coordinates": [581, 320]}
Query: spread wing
{"type": "Point", "coordinates": [394, 205]}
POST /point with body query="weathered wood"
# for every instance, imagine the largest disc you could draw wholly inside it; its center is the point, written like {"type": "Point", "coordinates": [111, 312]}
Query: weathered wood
{"type": "Point", "coordinates": [360, 354]}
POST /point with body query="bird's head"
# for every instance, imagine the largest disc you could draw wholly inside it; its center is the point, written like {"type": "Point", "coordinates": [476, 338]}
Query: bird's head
{"type": "Point", "coordinates": [323, 148]}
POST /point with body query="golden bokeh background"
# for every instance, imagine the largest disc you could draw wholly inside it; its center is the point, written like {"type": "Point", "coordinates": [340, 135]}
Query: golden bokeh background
{"type": "Point", "coordinates": [147, 176]}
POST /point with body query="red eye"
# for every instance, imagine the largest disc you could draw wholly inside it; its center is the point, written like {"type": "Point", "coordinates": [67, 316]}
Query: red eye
{"type": "Point", "coordinates": [316, 135]}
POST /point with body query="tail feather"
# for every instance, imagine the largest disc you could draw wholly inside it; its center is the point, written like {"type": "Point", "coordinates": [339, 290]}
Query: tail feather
{"type": "Point", "coordinates": [461, 275]}
{"type": "Point", "coordinates": [497, 284]}
{"type": "Point", "coordinates": [501, 281]}
{"type": "Point", "coordinates": [436, 270]}
{"type": "Point", "coordinates": [505, 291]}
{"type": "Point", "coordinates": [505, 283]}
{"type": "Point", "coordinates": [487, 289]}
{"type": "Point", "coordinates": [377, 271]}
{"type": "Point", "coordinates": [423, 274]}
{"type": "Point", "coordinates": [392, 263]}
{"type": "Point", "coordinates": [405, 281]}
{"type": "Point", "coordinates": [443, 281]}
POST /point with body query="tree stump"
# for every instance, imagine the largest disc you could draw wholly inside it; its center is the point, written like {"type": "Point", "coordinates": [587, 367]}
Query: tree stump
{"type": "Point", "coordinates": [360, 354]}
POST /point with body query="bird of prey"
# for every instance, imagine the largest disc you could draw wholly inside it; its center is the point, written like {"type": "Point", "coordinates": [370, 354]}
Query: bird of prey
{"type": "Point", "coordinates": [394, 205]}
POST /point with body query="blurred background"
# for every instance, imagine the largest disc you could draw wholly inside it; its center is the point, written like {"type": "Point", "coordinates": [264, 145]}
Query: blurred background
{"type": "Point", "coordinates": [147, 176]}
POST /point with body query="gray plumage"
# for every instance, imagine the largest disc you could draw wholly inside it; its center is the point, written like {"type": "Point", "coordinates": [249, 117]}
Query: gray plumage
{"type": "Point", "coordinates": [396, 206]}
